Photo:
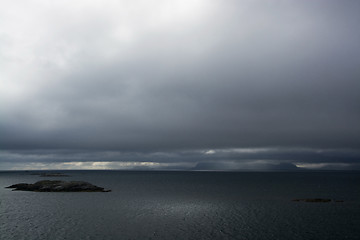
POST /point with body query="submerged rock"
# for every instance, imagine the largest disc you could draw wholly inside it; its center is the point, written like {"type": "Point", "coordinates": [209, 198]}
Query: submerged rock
{"type": "Point", "coordinates": [45, 174]}
{"type": "Point", "coordinates": [321, 200]}
{"type": "Point", "coordinates": [53, 175]}
{"type": "Point", "coordinates": [58, 186]}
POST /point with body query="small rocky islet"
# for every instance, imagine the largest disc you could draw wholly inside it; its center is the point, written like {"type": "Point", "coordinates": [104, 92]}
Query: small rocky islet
{"type": "Point", "coordinates": [46, 174]}
{"type": "Point", "coordinates": [58, 186]}
{"type": "Point", "coordinates": [53, 175]}
{"type": "Point", "coordinates": [316, 200]}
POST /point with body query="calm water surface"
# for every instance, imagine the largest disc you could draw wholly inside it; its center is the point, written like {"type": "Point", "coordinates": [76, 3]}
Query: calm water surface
{"type": "Point", "coordinates": [184, 205]}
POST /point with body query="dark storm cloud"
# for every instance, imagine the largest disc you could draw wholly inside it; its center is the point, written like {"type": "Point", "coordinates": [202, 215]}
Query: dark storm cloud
{"type": "Point", "coordinates": [241, 74]}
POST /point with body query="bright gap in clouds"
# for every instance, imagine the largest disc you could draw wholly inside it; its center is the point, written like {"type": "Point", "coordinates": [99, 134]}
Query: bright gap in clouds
{"type": "Point", "coordinates": [88, 166]}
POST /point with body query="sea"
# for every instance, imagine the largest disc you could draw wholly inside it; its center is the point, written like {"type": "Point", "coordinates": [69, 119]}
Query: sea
{"type": "Point", "coordinates": [184, 205]}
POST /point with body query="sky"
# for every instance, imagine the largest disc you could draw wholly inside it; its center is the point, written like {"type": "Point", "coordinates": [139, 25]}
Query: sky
{"type": "Point", "coordinates": [180, 85]}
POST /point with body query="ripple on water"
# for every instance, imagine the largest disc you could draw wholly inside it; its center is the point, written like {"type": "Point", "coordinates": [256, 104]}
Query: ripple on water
{"type": "Point", "coordinates": [182, 206]}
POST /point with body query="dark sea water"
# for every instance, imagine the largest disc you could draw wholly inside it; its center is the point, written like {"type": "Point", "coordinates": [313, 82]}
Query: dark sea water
{"type": "Point", "coordinates": [184, 205]}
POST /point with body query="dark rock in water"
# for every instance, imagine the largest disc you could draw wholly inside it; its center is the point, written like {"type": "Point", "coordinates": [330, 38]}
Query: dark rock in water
{"type": "Point", "coordinates": [320, 200]}
{"type": "Point", "coordinates": [53, 175]}
{"type": "Point", "coordinates": [58, 186]}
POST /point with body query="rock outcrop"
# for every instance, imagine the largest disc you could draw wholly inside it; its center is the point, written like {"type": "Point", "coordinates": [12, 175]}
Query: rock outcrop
{"type": "Point", "coordinates": [58, 186]}
{"type": "Point", "coordinates": [53, 175]}
{"type": "Point", "coordinates": [319, 200]}
{"type": "Point", "coordinates": [44, 174]}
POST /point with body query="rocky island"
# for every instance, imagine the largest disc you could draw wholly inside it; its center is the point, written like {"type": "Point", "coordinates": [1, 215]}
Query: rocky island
{"type": "Point", "coordinates": [44, 174]}
{"type": "Point", "coordinates": [318, 200]}
{"type": "Point", "coordinates": [57, 186]}
{"type": "Point", "coordinates": [53, 175]}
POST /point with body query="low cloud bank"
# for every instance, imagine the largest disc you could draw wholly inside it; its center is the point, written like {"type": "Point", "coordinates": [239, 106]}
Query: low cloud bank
{"type": "Point", "coordinates": [239, 159]}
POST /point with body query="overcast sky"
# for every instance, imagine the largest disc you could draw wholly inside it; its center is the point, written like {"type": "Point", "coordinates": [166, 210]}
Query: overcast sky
{"type": "Point", "coordinates": [180, 84]}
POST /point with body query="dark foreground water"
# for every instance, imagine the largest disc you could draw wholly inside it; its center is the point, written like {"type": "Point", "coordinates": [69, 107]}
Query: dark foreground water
{"type": "Point", "coordinates": [184, 205]}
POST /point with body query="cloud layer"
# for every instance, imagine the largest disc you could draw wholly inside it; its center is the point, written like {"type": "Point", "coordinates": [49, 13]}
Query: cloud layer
{"type": "Point", "coordinates": [173, 76]}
